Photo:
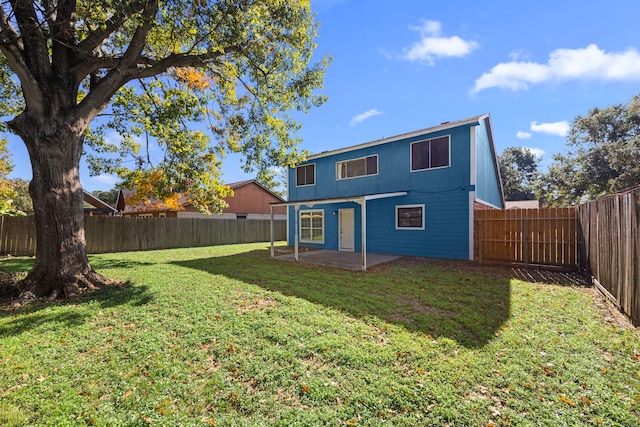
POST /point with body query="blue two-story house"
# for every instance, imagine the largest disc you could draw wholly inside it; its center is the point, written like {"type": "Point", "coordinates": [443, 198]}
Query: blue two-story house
{"type": "Point", "coordinates": [411, 194]}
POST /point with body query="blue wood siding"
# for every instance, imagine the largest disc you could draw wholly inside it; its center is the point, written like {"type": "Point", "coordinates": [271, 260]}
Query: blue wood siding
{"type": "Point", "coordinates": [446, 230]}
{"type": "Point", "coordinates": [443, 191]}
{"type": "Point", "coordinates": [487, 185]}
{"type": "Point", "coordinates": [394, 170]}
{"type": "Point", "coordinates": [445, 234]}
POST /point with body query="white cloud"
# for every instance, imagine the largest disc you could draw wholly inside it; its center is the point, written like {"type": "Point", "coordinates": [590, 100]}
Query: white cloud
{"type": "Point", "coordinates": [590, 63]}
{"type": "Point", "coordinates": [558, 128]}
{"type": "Point", "coordinates": [538, 152]}
{"type": "Point", "coordinates": [523, 135]}
{"type": "Point", "coordinates": [364, 116]}
{"type": "Point", "coordinates": [433, 45]}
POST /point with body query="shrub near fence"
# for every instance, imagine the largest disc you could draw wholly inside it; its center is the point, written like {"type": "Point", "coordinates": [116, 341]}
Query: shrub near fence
{"type": "Point", "coordinates": [610, 253]}
{"type": "Point", "coordinates": [113, 234]}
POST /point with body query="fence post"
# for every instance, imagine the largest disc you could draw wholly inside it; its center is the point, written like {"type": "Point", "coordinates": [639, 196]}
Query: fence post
{"type": "Point", "coordinates": [525, 240]}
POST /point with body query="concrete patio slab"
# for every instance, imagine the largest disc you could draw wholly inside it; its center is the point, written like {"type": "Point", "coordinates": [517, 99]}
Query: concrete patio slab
{"type": "Point", "coordinates": [344, 260]}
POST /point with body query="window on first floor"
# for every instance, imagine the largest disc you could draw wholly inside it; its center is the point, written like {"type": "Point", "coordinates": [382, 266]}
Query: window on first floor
{"type": "Point", "coordinates": [429, 154]}
{"type": "Point", "coordinates": [410, 217]}
{"type": "Point", "coordinates": [312, 226]}
{"type": "Point", "coordinates": [357, 167]}
{"type": "Point", "coordinates": [306, 175]}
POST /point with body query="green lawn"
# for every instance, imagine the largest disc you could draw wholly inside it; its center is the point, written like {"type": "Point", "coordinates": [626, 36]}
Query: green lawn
{"type": "Point", "coordinates": [226, 336]}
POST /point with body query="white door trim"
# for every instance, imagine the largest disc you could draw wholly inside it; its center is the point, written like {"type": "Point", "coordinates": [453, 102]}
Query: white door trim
{"type": "Point", "coordinates": [343, 243]}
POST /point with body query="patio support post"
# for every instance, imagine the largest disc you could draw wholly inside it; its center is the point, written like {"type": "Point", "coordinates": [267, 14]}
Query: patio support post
{"type": "Point", "coordinates": [363, 204]}
{"type": "Point", "coordinates": [271, 228]}
{"type": "Point", "coordinates": [295, 233]}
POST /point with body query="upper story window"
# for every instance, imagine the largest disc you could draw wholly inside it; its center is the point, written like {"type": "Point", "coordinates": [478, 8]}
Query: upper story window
{"type": "Point", "coordinates": [430, 154]}
{"type": "Point", "coordinates": [306, 175]}
{"type": "Point", "coordinates": [357, 167]}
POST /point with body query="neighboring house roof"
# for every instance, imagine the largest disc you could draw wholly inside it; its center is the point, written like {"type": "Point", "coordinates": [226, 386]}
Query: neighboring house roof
{"type": "Point", "coordinates": [522, 204]}
{"type": "Point", "coordinates": [183, 201]}
{"type": "Point", "coordinates": [239, 184]}
{"type": "Point", "coordinates": [96, 202]}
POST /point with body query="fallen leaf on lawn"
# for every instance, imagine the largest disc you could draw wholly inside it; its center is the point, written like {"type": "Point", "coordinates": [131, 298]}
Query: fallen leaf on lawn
{"type": "Point", "coordinates": [567, 400]}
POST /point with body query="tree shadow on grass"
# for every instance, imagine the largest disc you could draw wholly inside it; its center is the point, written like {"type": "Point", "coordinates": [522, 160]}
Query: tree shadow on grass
{"type": "Point", "coordinates": [40, 312]}
{"type": "Point", "coordinates": [440, 300]}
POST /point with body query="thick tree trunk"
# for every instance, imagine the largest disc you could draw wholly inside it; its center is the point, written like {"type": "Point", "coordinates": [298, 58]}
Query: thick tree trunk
{"type": "Point", "coordinates": [61, 268]}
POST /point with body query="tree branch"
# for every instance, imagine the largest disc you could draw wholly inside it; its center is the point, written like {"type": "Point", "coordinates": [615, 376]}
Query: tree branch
{"type": "Point", "coordinates": [62, 26]}
{"type": "Point", "coordinates": [98, 36]}
{"type": "Point", "coordinates": [11, 46]}
{"type": "Point", "coordinates": [35, 50]}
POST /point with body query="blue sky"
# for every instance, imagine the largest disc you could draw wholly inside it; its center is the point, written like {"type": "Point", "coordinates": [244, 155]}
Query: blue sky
{"type": "Point", "coordinates": [404, 65]}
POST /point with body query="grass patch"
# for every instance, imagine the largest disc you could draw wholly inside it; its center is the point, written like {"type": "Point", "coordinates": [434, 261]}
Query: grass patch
{"type": "Point", "coordinates": [226, 336]}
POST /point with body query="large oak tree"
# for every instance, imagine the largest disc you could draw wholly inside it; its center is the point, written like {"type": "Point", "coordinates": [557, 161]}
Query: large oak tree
{"type": "Point", "coordinates": [152, 69]}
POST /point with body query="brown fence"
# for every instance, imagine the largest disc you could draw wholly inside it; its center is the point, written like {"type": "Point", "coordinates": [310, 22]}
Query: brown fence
{"type": "Point", "coordinates": [528, 236]}
{"type": "Point", "coordinates": [611, 250]}
{"type": "Point", "coordinates": [109, 234]}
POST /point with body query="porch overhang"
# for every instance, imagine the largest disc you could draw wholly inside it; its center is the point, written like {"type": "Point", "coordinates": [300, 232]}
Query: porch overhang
{"type": "Point", "coordinates": [361, 200]}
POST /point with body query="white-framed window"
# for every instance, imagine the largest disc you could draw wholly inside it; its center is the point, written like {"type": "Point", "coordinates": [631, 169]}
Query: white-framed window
{"type": "Point", "coordinates": [162, 215]}
{"type": "Point", "coordinates": [306, 175]}
{"type": "Point", "coordinates": [431, 153]}
{"type": "Point", "coordinates": [410, 217]}
{"type": "Point", "coordinates": [312, 226]}
{"type": "Point", "coordinates": [357, 167]}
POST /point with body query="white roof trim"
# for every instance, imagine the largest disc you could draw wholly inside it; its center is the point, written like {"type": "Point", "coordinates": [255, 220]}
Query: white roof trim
{"type": "Point", "coordinates": [440, 127]}
{"type": "Point", "coordinates": [385, 195]}
{"type": "Point", "coordinates": [356, 199]}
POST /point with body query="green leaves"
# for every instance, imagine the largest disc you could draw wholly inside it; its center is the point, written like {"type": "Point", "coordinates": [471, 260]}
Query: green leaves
{"type": "Point", "coordinates": [174, 86]}
{"type": "Point", "coordinates": [253, 69]}
{"type": "Point", "coordinates": [604, 148]}
{"type": "Point", "coordinates": [518, 171]}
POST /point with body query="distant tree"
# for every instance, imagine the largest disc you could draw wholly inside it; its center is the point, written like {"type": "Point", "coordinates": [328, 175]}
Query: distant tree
{"type": "Point", "coordinates": [153, 70]}
{"type": "Point", "coordinates": [22, 199]}
{"type": "Point", "coordinates": [108, 196]}
{"type": "Point", "coordinates": [603, 156]}
{"type": "Point", "coordinates": [7, 192]}
{"type": "Point", "coordinates": [519, 172]}
{"type": "Point", "coordinates": [272, 179]}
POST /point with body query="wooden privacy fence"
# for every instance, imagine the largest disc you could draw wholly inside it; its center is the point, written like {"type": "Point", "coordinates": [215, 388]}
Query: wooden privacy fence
{"type": "Point", "coordinates": [611, 250]}
{"type": "Point", "coordinates": [528, 236]}
{"type": "Point", "coordinates": [113, 234]}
